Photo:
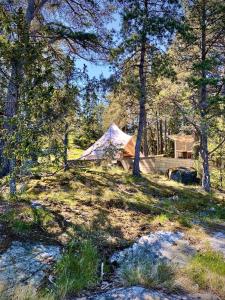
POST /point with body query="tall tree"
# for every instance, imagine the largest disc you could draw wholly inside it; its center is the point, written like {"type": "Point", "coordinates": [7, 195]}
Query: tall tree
{"type": "Point", "coordinates": [146, 29]}
{"type": "Point", "coordinates": [31, 22]}
{"type": "Point", "coordinates": [203, 56]}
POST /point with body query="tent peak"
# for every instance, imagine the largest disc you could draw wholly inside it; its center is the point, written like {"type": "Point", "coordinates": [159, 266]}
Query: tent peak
{"type": "Point", "coordinates": [113, 137]}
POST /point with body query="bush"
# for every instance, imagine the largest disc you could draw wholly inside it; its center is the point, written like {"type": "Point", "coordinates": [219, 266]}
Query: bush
{"type": "Point", "coordinates": [77, 270]}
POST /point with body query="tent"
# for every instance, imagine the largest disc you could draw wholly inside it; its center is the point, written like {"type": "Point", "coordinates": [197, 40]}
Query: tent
{"type": "Point", "coordinates": [114, 143]}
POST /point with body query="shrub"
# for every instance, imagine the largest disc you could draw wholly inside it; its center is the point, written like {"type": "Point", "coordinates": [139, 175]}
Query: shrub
{"type": "Point", "coordinates": [77, 270]}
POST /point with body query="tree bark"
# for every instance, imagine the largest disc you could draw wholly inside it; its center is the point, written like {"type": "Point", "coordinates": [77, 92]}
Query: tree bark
{"type": "Point", "coordinates": [9, 112]}
{"type": "Point", "coordinates": [145, 138]}
{"type": "Point", "coordinates": [161, 136]}
{"type": "Point", "coordinates": [203, 107]}
{"type": "Point", "coordinates": [165, 135]}
{"type": "Point", "coordinates": [142, 100]}
{"type": "Point", "coordinates": [205, 161]}
{"type": "Point", "coordinates": [10, 107]}
{"type": "Point", "coordinates": [142, 78]}
{"type": "Point", "coordinates": [157, 134]}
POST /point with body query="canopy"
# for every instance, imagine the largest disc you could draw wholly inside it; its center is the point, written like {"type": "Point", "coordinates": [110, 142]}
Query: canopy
{"type": "Point", "coordinates": [113, 141]}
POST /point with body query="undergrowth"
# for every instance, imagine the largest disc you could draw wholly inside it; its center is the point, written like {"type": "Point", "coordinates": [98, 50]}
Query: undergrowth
{"type": "Point", "coordinates": [77, 270]}
{"type": "Point", "coordinates": [146, 273]}
{"type": "Point", "coordinates": [207, 270]}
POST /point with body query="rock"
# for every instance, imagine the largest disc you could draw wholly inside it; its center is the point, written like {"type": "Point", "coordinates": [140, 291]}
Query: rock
{"type": "Point", "coordinates": [36, 205]}
{"type": "Point", "coordinates": [217, 242]}
{"type": "Point", "coordinates": [183, 175]}
{"type": "Point", "coordinates": [159, 246]}
{"type": "Point", "coordinates": [26, 264]}
{"type": "Point", "coordinates": [140, 293]}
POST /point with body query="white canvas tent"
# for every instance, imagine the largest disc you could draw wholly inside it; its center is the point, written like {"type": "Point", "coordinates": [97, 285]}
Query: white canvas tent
{"type": "Point", "coordinates": [114, 138]}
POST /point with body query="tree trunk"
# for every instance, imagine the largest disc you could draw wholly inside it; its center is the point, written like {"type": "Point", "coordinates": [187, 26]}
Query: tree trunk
{"type": "Point", "coordinates": [205, 160]}
{"type": "Point", "coordinates": [161, 136]}
{"type": "Point", "coordinates": [221, 168]}
{"type": "Point", "coordinates": [157, 134]}
{"type": "Point", "coordinates": [65, 143]}
{"type": "Point", "coordinates": [165, 136]}
{"type": "Point", "coordinates": [12, 180]}
{"type": "Point", "coordinates": [145, 138]}
{"type": "Point", "coordinates": [142, 78]}
{"type": "Point", "coordinates": [10, 107]}
{"type": "Point", "coordinates": [203, 103]}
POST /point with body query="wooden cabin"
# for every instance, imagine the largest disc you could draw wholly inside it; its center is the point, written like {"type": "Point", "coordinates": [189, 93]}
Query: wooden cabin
{"type": "Point", "coordinates": [183, 145]}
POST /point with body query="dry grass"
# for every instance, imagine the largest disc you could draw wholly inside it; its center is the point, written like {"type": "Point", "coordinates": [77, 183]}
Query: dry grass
{"type": "Point", "coordinates": [117, 208]}
{"type": "Point", "coordinates": [204, 273]}
{"type": "Point", "coordinates": [27, 293]}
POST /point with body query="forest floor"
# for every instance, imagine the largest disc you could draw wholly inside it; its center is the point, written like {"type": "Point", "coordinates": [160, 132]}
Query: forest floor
{"type": "Point", "coordinates": [110, 208]}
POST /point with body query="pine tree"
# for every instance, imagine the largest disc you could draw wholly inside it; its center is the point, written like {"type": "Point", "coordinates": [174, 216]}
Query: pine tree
{"type": "Point", "coordinates": [202, 54]}
{"type": "Point", "coordinates": [24, 25]}
{"type": "Point", "coordinates": [147, 27]}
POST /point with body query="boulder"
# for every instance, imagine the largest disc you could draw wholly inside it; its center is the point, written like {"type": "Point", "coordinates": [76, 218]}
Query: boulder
{"type": "Point", "coordinates": [183, 175]}
{"type": "Point", "coordinates": [157, 247]}
{"type": "Point", "coordinates": [25, 264]}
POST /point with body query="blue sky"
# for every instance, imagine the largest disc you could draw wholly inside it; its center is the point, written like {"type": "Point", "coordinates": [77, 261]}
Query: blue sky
{"type": "Point", "coordinates": [95, 70]}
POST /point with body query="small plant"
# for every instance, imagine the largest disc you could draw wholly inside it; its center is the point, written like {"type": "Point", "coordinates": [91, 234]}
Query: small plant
{"type": "Point", "coordinates": [42, 217]}
{"type": "Point", "coordinates": [208, 271]}
{"type": "Point", "coordinates": [20, 227]}
{"type": "Point", "coordinates": [146, 273]}
{"type": "Point", "coordinates": [160, 219]}
{"type": "Point", "coordinates": [77, 270]}
{"type": "Point", "coordinates": [184, 221]}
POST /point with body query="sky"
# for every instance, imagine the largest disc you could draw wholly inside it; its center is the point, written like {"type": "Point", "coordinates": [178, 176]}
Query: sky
{"type": "Point", "coordinates": [95, 70]}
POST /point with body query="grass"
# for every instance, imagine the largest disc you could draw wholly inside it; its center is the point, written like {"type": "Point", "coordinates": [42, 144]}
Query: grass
{"type": "Point", "coordinates": [207, 270]}
{"type": "Point", "coordinates": [27, 293]}
{"type": "Point", "coordinates": [112, 209]}
{"type": "Point", "coordinates": [160, 219]}
{"type": "Point", "coordinates": [125, 205]}
{"type": "Point", "coordinates": [23, 219]}
{"type": "Point", "coordinates": [77, 270]}
{"type": "Point", "coordinates": [145, 273]}
{"type": "Point", "coordinates": [74, 153]}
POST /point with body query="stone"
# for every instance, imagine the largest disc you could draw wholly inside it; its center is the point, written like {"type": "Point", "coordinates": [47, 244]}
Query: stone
{"type": "Point", "coordinates": [217, 242]}
{"type": "Point", "coordinates": [159, 246]}
{"type": "Point", "coordinates": [140, 293]}
{"type": "Point", "coordinates": [26, 264]}
{"type": "Point", "coordinates": [184, 175]}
